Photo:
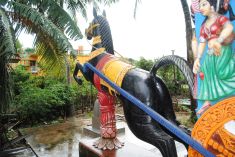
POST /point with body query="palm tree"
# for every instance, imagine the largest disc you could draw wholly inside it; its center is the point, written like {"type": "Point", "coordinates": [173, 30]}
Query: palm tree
{"type": "Point", "coordinates": [7, 49]}
{"type": "Point", "coordinates": [188, 25]}
{"type": "Point", "coordinates": [50, 21]}
{"type": "Point", "coordinates": [189, 33]}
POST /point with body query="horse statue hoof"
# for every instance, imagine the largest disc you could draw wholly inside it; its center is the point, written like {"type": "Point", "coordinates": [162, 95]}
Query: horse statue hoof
{"type": "Point", "coordinates": [108, 143]}
{"type": "Point", "coordinates": [78, 80]}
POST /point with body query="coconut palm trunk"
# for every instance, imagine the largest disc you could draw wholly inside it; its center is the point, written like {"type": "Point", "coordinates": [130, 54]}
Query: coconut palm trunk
{"type": "Point", "coordinates": [189, 33]}
{"type": "Point", "coordinates": [188, 27]}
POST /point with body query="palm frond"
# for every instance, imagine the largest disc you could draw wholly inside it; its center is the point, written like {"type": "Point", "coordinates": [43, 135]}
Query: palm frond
{"type": "Point", "coordinates": [52, 10]}
{"type": "Point", "coordinates": [77, 6]}
{"type": "Point", "coordinates": [62, 19]}
{"type": "Point", "coordinates": [7, 49]}
{"type": "Point", "coordinates": [51, 59]}
{"type": "Point", "coordinates": [109, 2]}
{"type": "Point", "coordinates": [136, 6]}
{"type": "Point", "coordinates": [29, 17]}
{"type": "Point", "coordinates": [3, 2]}
{"type": "Point", "coordinates": [7, 38]}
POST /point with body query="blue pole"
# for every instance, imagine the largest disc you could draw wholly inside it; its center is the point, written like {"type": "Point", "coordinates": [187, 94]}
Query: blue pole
{"type": "Point", "coordinates": [156, 116]}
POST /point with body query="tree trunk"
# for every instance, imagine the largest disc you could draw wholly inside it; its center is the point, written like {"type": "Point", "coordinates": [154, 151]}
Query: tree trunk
{"type": "Point", "coordinates": [5, 88]}
{"type": "Point", "coordinates": [187, 17]}
{"type": "Point", "coordinates": [71, 108]}
{"type": "Point", "coordinates": [189, 34]}
{"type": "Point", "coordinates": [67, 69]}
{"type": "Point", "coordinates": [70, 111]}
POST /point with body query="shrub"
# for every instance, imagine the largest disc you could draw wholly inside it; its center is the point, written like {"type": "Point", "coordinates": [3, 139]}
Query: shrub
{"type": "Point", "coordinates": [45, 98]}
{"type": "Point", "coordinates": [85, 95]}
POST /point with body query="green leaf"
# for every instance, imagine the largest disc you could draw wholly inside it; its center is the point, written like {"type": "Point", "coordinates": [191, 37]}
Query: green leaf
{"type": "Point", "coordinates": [7, 48]}
{"type": "Point", "coordinates": [3, 2]}
{"type": "Point", "coordinates": [41, 25]}
{"type": "Point", "coordinates": [7, 38]}
{"type": "Point", "coordinates": [61, 18]}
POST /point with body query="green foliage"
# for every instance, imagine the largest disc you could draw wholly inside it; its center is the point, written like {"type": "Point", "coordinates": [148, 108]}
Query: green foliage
{"type": "Point", "coordinates": [52, 60]}
{"type": "Point", "coordinates": [3, 2]}
{"type": "Point", "coordinates": [174, 80]}
{"type": "Point", "coordinates": [50, 22]}
{"type": "Point", "coordinates": [85, 95]}
{"type": "Point", "coordinates": [182, 108]}
{"type": "Point", "coordinates": [7, 38]}
{"type": "Point", "coordinates": [20, 74]}
{"type": "Point", "coordinates": [171, 75]}
{"type": "Point", "coordinates": [29, 50]}
{"type": "Point", "coordinates": [44, 25]}
{"type": "Point", "coordinates": [131, 61]}
{"type": "Point", "coordinates": [19, 47]}
{"type": "Point", "coordinates": [144, 64]}
{"type": "Point", "coordinates": [7, 49]}
{"type": "Point", "coordinates": [46, 98]}
{"type": "Point", "coordinates": [167, 74]}
{"type": "Point", "coordinates": [36, 104]}
{"type": "Point", "coordinates": [65, 21]}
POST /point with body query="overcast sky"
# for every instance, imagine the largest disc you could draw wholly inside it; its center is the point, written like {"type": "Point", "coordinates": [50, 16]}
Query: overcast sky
{"type": "Point", "coordinates": [159, 27]}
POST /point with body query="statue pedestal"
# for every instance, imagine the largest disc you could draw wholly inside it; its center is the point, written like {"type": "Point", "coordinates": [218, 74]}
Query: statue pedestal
{"type": "Point", "coordinates": [86, 149]}
{"type": "Point", "coordinates": [95, 132]}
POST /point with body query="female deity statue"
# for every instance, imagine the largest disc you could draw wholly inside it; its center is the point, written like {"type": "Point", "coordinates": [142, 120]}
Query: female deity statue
{"type": "Point", "coordinates": [217, 71]}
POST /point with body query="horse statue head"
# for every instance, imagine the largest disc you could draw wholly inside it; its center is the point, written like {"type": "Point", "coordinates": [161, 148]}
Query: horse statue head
{"type": "Point", "coordinates": [99, 29]}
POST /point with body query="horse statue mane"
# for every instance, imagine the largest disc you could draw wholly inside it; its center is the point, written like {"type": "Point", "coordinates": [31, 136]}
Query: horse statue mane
{"type": "Point", "coordinates": [103, 32]}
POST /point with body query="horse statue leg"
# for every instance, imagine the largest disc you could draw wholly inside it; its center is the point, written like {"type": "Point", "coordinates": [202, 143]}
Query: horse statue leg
{"type": "Point", "coordinates": [141, 85]}
{"type": "Point", "coordinates": [108, 129]}
{"type": "Point", "coordinates": [149, 131]}
{"type": "Point", "coordinates": [78, 67]}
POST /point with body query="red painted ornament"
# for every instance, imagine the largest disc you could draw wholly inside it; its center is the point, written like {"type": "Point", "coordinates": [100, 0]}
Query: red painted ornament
{"type": "Point", "coordinates": [201, 75]}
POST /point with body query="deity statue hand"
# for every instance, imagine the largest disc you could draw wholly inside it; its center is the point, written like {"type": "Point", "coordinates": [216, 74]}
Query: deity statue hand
{"type": "Point", "coordinates": [196, 66]}
{"type": "Point", "coordinates": [215, 46]}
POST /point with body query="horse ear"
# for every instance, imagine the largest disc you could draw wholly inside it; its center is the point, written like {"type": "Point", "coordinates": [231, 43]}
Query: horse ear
{"type": "Point", "coordinates": [94, 12]}
{"type": "Point", "coordinates": [104, 13]}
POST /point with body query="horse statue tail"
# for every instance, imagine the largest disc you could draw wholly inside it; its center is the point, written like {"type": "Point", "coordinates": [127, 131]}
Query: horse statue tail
{"type": "Point", "coordinates": [180, 63]}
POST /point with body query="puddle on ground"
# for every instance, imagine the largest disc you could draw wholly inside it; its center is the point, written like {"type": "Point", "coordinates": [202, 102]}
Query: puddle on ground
{"type": "Point", "coordinates": [62, 140]}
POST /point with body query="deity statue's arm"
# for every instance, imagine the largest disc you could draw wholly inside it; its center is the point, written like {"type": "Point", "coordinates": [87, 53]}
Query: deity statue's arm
{"type": "Point", "coordinates": [200, 50]}
{"type": "Point", "coordinates": [194, 46]}
{"type": "Point", "coordinates": [224, 35]}
{"type": "Point", "coordinates": [226, 32]}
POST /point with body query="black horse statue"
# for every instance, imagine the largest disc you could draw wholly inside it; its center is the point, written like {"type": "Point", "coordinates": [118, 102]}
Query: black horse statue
{"type": "Point", "coordinates": [145, 86]}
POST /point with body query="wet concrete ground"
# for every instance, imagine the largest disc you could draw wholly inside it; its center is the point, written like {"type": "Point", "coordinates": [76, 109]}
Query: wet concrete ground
{"type": "Point", "coordinates": [62, 140]}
